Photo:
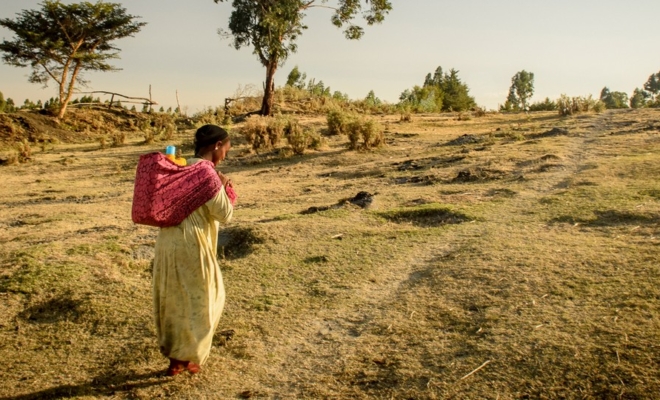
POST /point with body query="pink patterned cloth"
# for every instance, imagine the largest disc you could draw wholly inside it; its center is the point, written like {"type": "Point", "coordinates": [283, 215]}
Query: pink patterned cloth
{"type": "Point", "coordinates": [231, 193]}
{"type": "Point", "coordinates": [166, 193]}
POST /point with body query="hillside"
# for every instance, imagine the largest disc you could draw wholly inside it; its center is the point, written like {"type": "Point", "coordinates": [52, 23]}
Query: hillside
{"type": "Point", "coordinates": [507, 256]}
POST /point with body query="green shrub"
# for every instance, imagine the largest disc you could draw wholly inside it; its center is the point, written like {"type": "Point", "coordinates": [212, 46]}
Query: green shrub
{"type": "Point", "coordinates": [3, 103]}
{"type": "Point", "coordinates": [546, 105]}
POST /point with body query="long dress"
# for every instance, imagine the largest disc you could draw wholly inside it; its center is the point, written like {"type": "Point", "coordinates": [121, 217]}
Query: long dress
{"type": "Point", "coordinates": [189, 294]}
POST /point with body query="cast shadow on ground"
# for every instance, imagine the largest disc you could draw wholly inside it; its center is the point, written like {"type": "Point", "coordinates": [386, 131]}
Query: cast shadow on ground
{"type": "Point", "coordinates": [610, 218]}
{"type": "Point", "coordinates": [107, 384]}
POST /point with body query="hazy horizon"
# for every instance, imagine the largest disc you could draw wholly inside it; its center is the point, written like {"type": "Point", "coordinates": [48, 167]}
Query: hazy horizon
{"type": "Point", "coordinates": [575, 48]}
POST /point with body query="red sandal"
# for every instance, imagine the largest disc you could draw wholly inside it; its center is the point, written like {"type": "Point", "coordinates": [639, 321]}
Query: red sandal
{"type": "Point", "coordinates": [193, 368]}
{"type": "Point", "coordinates": [176, 367]}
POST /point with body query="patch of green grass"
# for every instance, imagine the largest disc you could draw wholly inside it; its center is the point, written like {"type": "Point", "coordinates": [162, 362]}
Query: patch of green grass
{"type": "Point", "coordinates": [32, 275]}
{"type": "Point", "coordinates": [427, 215]}
{"type": "Point", "coordinates": [655, 193]}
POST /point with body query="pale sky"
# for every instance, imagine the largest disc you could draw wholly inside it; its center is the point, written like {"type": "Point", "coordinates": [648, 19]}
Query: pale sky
{"type": "Point", "coordinates": [572, 46]}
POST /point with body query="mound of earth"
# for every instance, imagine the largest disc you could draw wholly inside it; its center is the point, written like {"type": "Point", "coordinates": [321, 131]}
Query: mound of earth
{"type": "Point", "coordinates": [478, 174]}
{"type": "Point", "coordinates": [78, 125]}
{"type": "Point", "coordinates": [32, 126]}
{"type": "Point", "coordinates": [465, 139]}
{"type": "Point", "coordinates": [362, 199]}
{"type": "Point", "coordinates": [551, 133]}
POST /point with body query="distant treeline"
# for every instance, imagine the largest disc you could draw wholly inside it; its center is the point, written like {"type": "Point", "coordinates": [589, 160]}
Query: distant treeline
{"type": "Point", "coordinates": [440, 92]}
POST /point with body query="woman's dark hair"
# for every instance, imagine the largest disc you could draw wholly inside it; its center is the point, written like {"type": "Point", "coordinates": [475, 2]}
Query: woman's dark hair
{"type": "Point", "coordinates": [208, 135]}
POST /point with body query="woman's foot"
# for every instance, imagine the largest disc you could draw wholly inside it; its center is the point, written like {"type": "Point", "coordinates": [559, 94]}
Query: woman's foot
{"type": "Point", "coordinates": [193, 368]}
{"type": "Point", "coordinates": [176, 367]}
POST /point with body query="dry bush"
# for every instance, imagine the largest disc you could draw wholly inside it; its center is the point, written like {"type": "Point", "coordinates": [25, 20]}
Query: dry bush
{"type": "Point", "coordinates": [372, 134]}
{"type": "Point", "coordinates": [9, 159]}
{"type": "Point", "coordinates": [316, 141]}
{"type": "Point", "coordinates": [103, 142]}
{"type": "Point", "coordinates": [406, 116]}
{"type": "Point", "coordinates": [369, 131]}
{"type": "Point", "coordinates": [24, 151]}
{"type": "Point", "coordinates": [275, 128]}
{"type": "Point", "coordinates": [210, 116]}
{"type": "Point", "coordinates": [9, 129]}
{"type": "Point", "coordinates": [296, 136]}
{"type": "Point", "coordinates": [354, 133]}
{"type": "Point", "coordinates": [263, 133]}
{"type": "Point", "coordinates": [248, 99]}
{"type": "Point", "coordinates": [168, 131]}
{"type": "Point", "coordinates": [338, 122]}
{"type": "Point", "coordinates": [118, 138]}
{"type": "Point", "coordinates": [574, 105]}
{"type": "Point", "coordinates": [147, 131]}
{"type": "Point", "coordinates": [464, 116]}
{"type": "Point", "coordinates": [163, 125]}
{"type": "Point", "coordinates": [479, 112]}
{"type": "Point", "coordinates": [255, 132]}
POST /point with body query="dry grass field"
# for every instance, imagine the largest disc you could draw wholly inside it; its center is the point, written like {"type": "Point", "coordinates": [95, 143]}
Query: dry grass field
{"type": "Point", "coordinates": [503, 257]}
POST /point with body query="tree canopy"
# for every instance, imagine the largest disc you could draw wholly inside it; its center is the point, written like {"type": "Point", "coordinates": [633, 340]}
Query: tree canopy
{"type": "Point", "coordinates": [272, 27]}
{"type": "Point", "coordinates": [639, 98]}
{"type": "Point", "coordinates": [521, 90]}
{"type": "Point", "coordinates": [60, 41]}
{"type": "Point", "coordinates": [440, 92]}
{"type": "Point", "coordinates": [613, 99]}
{"type": "Point", "coordinates": [652, 85]}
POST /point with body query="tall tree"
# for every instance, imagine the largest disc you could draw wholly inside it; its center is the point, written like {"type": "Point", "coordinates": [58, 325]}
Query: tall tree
{"type": "Point", "coordinates": [272, 27]}
{"type": "Point", "coordinates": [521, 90]}
{"type": "Point", "coordinates": [652, 86]}
{"type": "Point", "coordinates": [456, 95]}
{"type": "Point", "coordinates": [60, 41]}
{"type": "Point", "coordinates": [639, 98]}
{"type": "Point", "coordinates": [296, 78]}
{"type": "Point", "coordinates": [613, 99]}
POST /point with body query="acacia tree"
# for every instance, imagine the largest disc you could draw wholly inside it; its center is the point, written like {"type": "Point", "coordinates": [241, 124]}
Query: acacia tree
{"type": "Point", "coordinates": [272, 27]}
{"type": "Point", "coordinates": [521, 90]}
{"type": "Point", "coordinates": [60, 41]}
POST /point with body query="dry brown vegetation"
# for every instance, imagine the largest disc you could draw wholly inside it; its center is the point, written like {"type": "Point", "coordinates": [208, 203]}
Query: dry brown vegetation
{"type": "Point", "coordinates": [502, 257]}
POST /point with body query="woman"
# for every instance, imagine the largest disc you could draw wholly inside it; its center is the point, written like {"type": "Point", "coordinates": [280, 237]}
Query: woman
{"type": "Point", "coordinates": [188, 290]}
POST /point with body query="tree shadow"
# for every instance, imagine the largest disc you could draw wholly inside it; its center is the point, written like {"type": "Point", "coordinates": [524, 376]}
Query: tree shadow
{"type": "Point", "coordinates": [610, 218]}
{"type": "Point", "coordinates": [107, 384]}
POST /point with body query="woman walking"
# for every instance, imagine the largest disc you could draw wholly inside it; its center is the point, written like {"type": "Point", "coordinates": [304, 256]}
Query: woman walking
{"type": "Point", "coordinates": [188, 290]}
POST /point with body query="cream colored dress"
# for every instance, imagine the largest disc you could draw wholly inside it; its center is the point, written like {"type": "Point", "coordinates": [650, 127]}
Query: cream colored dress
{"type": "Point", "coordinates": [187, 284]}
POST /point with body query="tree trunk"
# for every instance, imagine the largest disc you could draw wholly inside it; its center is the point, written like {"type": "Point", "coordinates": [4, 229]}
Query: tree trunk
{"type": "Point", "coordinates": [64, 101]}
{"type": "Point", "coordinates": [269, 89]}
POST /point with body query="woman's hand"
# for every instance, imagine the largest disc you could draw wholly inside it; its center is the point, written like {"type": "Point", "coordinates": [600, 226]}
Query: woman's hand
{"type": "Point", "coordinates": [226, 182]}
